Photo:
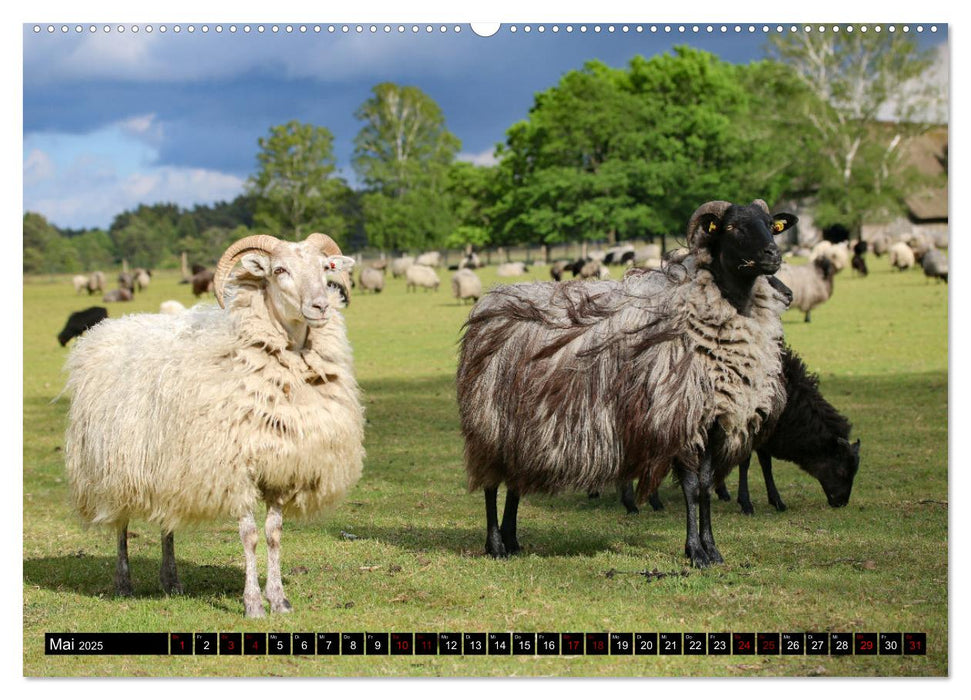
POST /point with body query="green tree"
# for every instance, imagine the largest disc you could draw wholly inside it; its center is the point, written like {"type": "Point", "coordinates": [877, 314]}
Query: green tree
{"type": "Point", "coordinates": [609, 154]}
{"type": "Point", "coordinates": [39, 237]}
{"type": "Point", "coordinates": [295, 188]}
{"type": "Point", "coordinates": [865, 101]}
{"type": "Point", "coordinates": [402, 155]}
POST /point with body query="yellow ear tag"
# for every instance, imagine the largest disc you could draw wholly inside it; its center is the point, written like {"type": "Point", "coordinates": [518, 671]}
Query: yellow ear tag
{"type": "Point", "coordinates": [712, 226]}
{"type": "Point", "coordinates": [777, 226]}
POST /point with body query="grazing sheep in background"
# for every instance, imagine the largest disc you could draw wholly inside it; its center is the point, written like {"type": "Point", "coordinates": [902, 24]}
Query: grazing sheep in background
{"type": "Point", "coordinates": [80, 321]}
{"type": "Point", "coordinates": [837, 253]}
{"type": "Point", "coordinates": [430, 259]}
{"type": "Point", "coordinates": [120, 294]}
{"type": "Point", "coordinates": [466, 285]}
{"type": "Point", "coordinates": [511, 269]}
{"type": "Point", "coordinates": [399, 266]}
{"type": "Point", "coordinates": [901, 256]}
{"type": "Point", "coordinates": [141, 278]}
{"type": "Point", "coordinates": [127, 281]}
{"type": "Point", "coordinates": [80, 283]}
{"type": "Point", "coordinates": [880, 244]}
{"type": "Point", "coordinates": [619, 255]}
{"type": "Point", "coordinates": [558, 268]}
{"type": "Point", "coordinates": [593, 269]}
{"type": "Point", "coordinates": [811, 284]}
{"type": "Point", "coordinates": [858, 263]}
{"type": "Point", "coordinates": [202, 282]}
{"type": "Point", "coordinates": [223, 408]}
{"type": "Point", "coordinates": [420, 276]}
{"type": "Point", "coordinates": [171, 307]}
{"type": "Point", "coordinates": [471, 261]}
{"type": "Point", "coordinates": [577, 385]}
{"type": "Point", "coordinates": [934, 264]}
{"type": "Point", "coordinates": [372, 279]}
{"type": "Point", "coordinates": [96, 282]}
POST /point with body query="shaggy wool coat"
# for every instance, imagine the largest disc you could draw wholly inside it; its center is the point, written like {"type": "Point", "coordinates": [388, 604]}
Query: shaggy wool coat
{"type": "Point", "coordinates": [179, 419]}
{"type": "Point", "coordinates": [575, 385]}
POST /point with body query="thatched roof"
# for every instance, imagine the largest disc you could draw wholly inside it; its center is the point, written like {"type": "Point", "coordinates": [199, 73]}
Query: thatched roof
{"type": "Point", "coordinates": [928, 154]}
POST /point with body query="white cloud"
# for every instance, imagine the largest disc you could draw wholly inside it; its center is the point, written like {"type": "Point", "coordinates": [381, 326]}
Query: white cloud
{"type": "Point", "coordinates": [486, 157]}
{"type": "Point", "coordinates": [38, 166]}
{"type": "Point", "coordinates": [96, 201]}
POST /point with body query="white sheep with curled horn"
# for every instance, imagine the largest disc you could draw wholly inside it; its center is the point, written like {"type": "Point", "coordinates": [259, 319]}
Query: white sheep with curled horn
{"type": "Point", "coordinates": [179, 419]}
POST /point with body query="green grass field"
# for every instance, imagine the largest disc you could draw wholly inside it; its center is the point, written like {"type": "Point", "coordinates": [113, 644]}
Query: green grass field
{"type": "Point", "coordinates": [417, 563]}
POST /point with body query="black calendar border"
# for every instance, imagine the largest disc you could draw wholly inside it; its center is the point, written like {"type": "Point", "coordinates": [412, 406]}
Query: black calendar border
{"type": "Point", "coordinates": [508, 644]}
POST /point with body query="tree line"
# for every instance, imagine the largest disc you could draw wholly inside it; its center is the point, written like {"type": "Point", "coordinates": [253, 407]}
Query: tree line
{"type": "Point", "coordinates": [607, 154]}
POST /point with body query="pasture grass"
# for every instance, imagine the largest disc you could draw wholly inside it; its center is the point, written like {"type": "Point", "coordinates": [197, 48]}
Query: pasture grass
{"type": "Point", "coordinates": [416, 560]}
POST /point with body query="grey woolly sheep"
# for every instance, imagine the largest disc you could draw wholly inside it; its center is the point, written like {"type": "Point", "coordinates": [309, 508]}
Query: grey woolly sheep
{"type": "Point", "coordinates": [811, 284]}
{"type": "Point", "coordinates": [837, 253]}
{"type": "Point", "coordinates": [372, 279]}
{"type": "Point", "coordinates": [80, 283]}
{"type": "Point", "coordinates": [593, 269]}
{"type": "Point", "coordinates": [577, 385]}
{"type": "Point", "coordinates": [421, 276]}
{"type": "Point", "coordinates": [120, 294]}
{"type": "Point", "coordinates": [934, 264]}
{"type": "Point", "coordinates": [399, 266]}
{"type": "Point", "coordinates": [466, 285]}
{"type": "Point", "coordinates": [223, 408]}
{"type": "Point", "coordinates": [901, 256]}
{"type": "Point", "coordinates": [96, 282]}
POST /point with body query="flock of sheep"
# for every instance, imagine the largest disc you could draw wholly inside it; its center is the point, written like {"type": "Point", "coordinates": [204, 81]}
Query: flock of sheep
{"type": "Point", "coordinates": [679, 367]}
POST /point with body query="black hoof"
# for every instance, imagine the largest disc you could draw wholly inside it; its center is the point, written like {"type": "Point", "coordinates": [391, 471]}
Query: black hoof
{"type": "Point", "coordinates": [634, 510]}
{"type": "Point", "coordinates": [723, 494]}
{"type": "Point", "coordinates": [780, 506]}
{"type": "Point", "coordinates": [495, 548]}
{"type": "Point", "coordinates": [747, 508]}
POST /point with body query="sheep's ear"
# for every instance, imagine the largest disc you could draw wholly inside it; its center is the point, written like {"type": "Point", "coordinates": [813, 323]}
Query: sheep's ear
{"type": "Point", "coordinates": [339, 263]}
{"type": "Point", "coordinates": [783, 222]}
{"type": "Point", "coordinates": [256, 264]}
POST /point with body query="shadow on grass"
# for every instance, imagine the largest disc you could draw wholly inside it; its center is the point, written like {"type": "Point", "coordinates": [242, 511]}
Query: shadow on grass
{"type": "Point", "coordinates": [94, 576]}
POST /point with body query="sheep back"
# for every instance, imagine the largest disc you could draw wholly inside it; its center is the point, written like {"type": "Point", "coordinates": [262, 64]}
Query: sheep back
{"type": "Point", "coordinates": [810, 287]}
{"type": "Point", "coordinates": [466, 284]}
{"type": "Point", "coordinates": [200, 428]}
{"type": "Point", "coordinates": [577, 384]}
{"type": "Point", "coordinates": [421, 276]}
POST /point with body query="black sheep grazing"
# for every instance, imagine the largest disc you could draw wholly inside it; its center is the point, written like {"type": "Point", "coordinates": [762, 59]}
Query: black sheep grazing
{"type": "Point", "coordinates": [859, 264]}
{"type": "Point", "coordinates": [80, 321]}
{"type": "Point", "coordinates": [811, 433]}
{"type": "Point", "coordinates": [579, 385]}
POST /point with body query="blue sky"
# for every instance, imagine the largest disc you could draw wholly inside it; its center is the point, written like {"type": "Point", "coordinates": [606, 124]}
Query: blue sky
{"type": "Point", "coordinates": [113, 119]}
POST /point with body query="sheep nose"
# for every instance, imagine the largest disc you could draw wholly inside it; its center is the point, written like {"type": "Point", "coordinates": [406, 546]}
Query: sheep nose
{"type": "Point", "coordinates": [316, 309]}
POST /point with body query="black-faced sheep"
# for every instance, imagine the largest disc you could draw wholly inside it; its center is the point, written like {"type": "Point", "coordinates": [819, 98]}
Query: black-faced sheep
{"type": "Point", "coordinates": [811, 284]}
{"type": "Point", "coordinates": [223, 408]}
{"type": "Point", "coordinates": [578, 385]}
{"type": "Point", "coordinates": [934, 264]}
{"type": "Point", "coordinates": [466, 285]}
{"type": "Point", "coordinates": [421, 276]}
{"type": "Point", "coordinates": [558, 268]}
{"type": "Point", "coordinates": [811, 433]}
{"type": "Point", "coordinates": [80, 321]}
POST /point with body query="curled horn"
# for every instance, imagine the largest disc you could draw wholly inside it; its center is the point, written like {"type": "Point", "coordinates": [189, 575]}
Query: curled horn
{"type": "Point", "coordinates": [264, 243]}
{"type": "Point", "coordinates": [327, 246]}
{"type": "Point", "coordinates": [760, 203]}
{"type": "Point", "coordinates": [716, 207]}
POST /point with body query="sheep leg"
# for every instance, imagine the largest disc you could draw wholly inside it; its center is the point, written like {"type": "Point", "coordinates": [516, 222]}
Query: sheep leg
{"type": "Point", "coordinates": [722, 491]}
{"type": "Point", "coordinates": [169, 574]}
{"type": "Point", "coordinates": [744, 500]}
{"type": "Point", "coordinates": [693, 548]}
{"type": "Point", "coordinates": [122, 573]}
{"type": "Point", "coordinates": [252, 600]}
{"type": "Point", "coordinates": [494, 545]}
{"type": "Point", "coordinates": [655, 501]}
{"type": "Point", "coordinates": [274, 580]}
{"type": "Point", "coordinates": [626, 491]}
{"type": "Point", "coordinates": [765, 459]}
{"type": "Point", "coordinates": [705, 482]}
{"type": "Point", "coordinates": [508, 528]}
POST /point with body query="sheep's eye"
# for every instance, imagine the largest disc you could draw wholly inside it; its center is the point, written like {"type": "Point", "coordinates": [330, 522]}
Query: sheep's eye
{"type": "Point", "coordinates": [279, 270]}
{"type": "Point", "coordinates": [729, 227]}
